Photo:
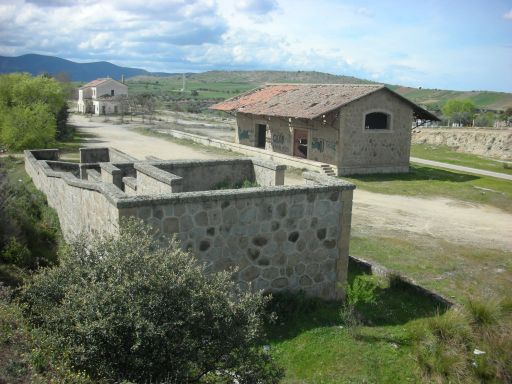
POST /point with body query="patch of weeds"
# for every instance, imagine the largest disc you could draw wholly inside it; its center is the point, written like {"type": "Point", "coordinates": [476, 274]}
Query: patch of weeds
{"type": "Point", "coordinates": [466, 344]}
{"type": "Point", "coordinates": [484, 312]}
{"type": "Point", "coordinates": [362, 291]}
{"type": "Point", "coordinates": [242, 184]}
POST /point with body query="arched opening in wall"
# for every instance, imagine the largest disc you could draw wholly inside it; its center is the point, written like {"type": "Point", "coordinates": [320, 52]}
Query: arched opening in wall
{"type": "Point", "coordinates": [377, 120]}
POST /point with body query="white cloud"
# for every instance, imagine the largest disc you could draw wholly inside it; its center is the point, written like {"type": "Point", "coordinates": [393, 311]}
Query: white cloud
{"type": "Point", "coordinates": [370, 41]}
{"type": "Point", "coordinates": [508, 15]}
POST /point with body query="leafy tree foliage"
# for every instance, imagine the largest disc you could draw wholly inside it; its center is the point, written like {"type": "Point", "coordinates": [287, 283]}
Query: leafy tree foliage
{"type": "Point", "coordinates": [128, 308]}
{"type": "Point", "coordinates": [31, 126]}
{"type": "Point", "coordinates": [33, 110]}
{"type": "Point", "coordinates": [485, 119]}
{"type": "Point", "coordinates": [459, 111]}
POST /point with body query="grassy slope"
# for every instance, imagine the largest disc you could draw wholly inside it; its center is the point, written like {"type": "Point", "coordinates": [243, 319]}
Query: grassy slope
{"type": "Point", "coordinates": [456, 271]}
{"type": "Point", "coordinates": [220, 85]}
{"type": "Point", "coordinates": [427, 181]}
{"type": "Point", "coordinates": [315, 346]}
{"type": "Point", "coordinates": [446, 155]}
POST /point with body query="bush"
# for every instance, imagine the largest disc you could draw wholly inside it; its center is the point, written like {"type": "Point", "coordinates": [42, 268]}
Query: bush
{"type": "Point", "coordinates": [30, 126]}
{"type": "Point", "coordinates": [29, 228]}
{"type": "Point", "coordinates": [127, 308]}
{"type": "Point", "coordinates": [362, 290]}
{"type": "Point", "coordinates": [33, 111]}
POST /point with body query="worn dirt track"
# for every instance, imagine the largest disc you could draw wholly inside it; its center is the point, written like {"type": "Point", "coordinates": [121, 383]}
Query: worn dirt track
{"type": "Point", "coordinates": [121, 137]}
{"type": "Point", "coordinates": [373, 213]}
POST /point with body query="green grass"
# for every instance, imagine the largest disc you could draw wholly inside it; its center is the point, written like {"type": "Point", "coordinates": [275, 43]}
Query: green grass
{"type": "Point", "coordinates": [315, 346]}
{"type": "Point", "coordinates": [454, 270]}
{"type": "Point", "coordinates": [170, 87]}
{"type": "Point", "coordinates": [447, 155]}
{"type": "Point", "coordinates": [424, 181]}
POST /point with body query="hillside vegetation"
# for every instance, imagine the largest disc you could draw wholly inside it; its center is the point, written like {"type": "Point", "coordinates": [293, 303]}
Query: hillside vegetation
{"type": "Point", "coordinates": [219, 85]}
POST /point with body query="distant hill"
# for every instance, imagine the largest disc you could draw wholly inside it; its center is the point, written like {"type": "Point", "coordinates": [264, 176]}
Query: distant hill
{"type": "Point", "coordinates": [435, 98]}
{"type": "Point", "coordinates": [216, 85]}
{"type": "Point", "coordinates": [38, 64]}
{"type": "Point", "coordinates": [261, 77]}
{"type": "Point", "coordinates": [225, 84]}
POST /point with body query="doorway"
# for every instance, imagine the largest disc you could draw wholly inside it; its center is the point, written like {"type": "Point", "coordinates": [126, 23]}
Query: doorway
{"type": "Point", "coordinates": [300, 143]}
{"type": "Point", "coordinates": [261, 133]}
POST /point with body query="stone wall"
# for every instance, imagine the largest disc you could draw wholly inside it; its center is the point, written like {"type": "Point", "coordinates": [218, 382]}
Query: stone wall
{"type": "Point", "coordinates": [83, 207]}
{"type": "Point", "coordinates": [323, 134]}
{"type": "Point", "coordinates": [251, 151]}
{"type": "Point", "coordinates": [375, 151]}
{"type": "Point", "coordinates": [495, 143]}
{"type": "Point", "coordinates": [273, 238]}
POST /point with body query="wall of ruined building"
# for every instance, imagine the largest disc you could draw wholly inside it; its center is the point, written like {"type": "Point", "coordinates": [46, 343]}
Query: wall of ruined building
{"type": "Point", "coordinates": [294, 238]}
{"type": "Point", "coordinates": [375, 151]}
{"type": "Point", "coordinates": [82, 207]}
{"type": "Point", "coordinates": [323, 134]}
{"type": "Point", "coordinates": [278, 238]}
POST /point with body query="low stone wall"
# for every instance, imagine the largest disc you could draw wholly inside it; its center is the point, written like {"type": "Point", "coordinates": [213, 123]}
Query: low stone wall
{"type": "Point", "coordinates": [479, 141]}
{"type": "Point", "coordinates": [246, 150]}
{"type": "Point", "coordinates": [379, 270]}
{"type": "Point", "coordinates": [274, 238]}
{"type": "Point", "coordinates": [83, 207]}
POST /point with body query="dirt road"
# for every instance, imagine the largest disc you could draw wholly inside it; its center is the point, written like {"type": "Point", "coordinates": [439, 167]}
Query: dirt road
{"type": "Point", "coordinates": [458, 222]}
{"type": "Point", "coordinates": [373, 213]}
{"type": "Point", "coordinates": [121, 137]}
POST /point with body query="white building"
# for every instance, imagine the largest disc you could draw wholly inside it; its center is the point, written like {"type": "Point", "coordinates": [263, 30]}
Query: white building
{"type": "Point", "coordinates": [101, 96]}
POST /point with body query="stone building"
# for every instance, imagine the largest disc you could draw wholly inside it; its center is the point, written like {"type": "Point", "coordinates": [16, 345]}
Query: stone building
{"type": "Point", "coordinates": [355, 128]}
{"type": "Point", "coordinates": [277, 237]}
{"type": "Point", "coordinates": [102, 97]}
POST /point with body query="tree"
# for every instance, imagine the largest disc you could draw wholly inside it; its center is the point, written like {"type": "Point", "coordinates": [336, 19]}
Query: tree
{"type": "Point", "coordinates": [30, 126]}
{"type": "Point", "coordinates": [27, 101]}
{"type": "Point", "coordinates": [459, 111]}
{"type": "Point", "coordinates": [126, 308]}
{"type": "Point", "coordinates": [485, 119]}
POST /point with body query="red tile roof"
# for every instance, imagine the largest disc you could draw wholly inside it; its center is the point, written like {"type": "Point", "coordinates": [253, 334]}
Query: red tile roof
{"type": "Point", "coordinates": [306, 101]}
{"type": "Point", "coordinates": [97, 82]}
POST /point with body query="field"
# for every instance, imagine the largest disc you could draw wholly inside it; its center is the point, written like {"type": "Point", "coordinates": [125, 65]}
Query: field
{"type": "Point", "coordinates": [220, 85]}
{"type": "Point", "coordinates": [446, 155]}
{"type": "Point", "coordinates": [424, 181]}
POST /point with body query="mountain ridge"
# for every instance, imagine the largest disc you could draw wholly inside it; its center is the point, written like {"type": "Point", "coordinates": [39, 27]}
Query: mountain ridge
{"type": "Point", "coordinates": [84, 72]}
{"type": "Point", "coordinates": [37, 64]}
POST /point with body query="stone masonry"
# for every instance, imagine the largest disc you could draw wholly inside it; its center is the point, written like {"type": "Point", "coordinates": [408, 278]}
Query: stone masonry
{"type": "Point", "coordinates": [274, 237]}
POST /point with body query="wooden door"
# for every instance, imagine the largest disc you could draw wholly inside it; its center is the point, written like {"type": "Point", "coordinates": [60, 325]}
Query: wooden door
{"type": "Point", "coordinates": [300, 143]}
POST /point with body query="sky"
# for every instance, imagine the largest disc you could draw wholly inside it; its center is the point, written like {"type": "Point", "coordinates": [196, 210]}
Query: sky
{"type": "Point", "coordinates": [445, 44]}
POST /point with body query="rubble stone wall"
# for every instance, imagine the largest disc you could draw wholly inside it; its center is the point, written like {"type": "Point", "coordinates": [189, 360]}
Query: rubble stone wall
{"type": "Point", "coordinates": [273, 238]}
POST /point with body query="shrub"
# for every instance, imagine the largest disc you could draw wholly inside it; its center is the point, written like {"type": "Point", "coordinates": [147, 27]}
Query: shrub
{"type": "Point", "coordinates": [16, 253]}
{"type": "Point", "coordinates": [362, 290]}
{"type": "Point", "coordinates": [127, 308]}
{"type": "Point", "coordinates": [29, 228]}
{"type": "Point", "coordinates": [30, 126]}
